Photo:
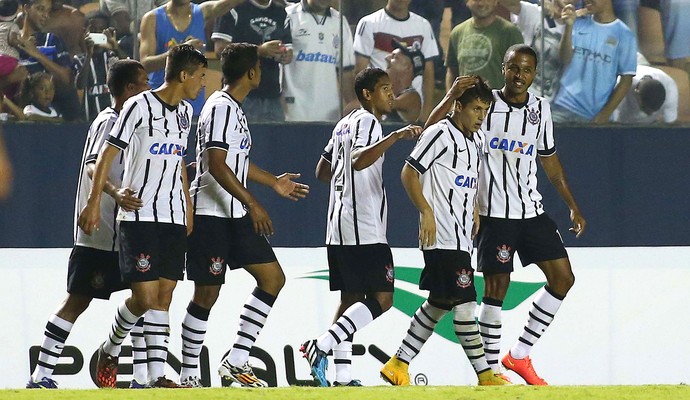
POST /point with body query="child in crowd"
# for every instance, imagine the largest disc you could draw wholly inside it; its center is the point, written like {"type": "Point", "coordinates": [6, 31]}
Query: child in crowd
{"type": "Point", "coordinates": [11, 73]}
{"type": "Point", "coordinates": [37, 95]}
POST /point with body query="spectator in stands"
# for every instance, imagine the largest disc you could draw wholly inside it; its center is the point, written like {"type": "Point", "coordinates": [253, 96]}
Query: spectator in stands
{"type": "Point", "coordinates": [595, 50]}
{"type": "Point", "coordinates": [528, 17]}
{"type": "Point", "coordinates": [626, 11]}
{"type": "Point", "coordinates": [432, 11]}
{"type": "Point", "coordinates": [37, 96]}
{"type": "Point", "coordinates": [95, 63]}
{"type": "Point", "coordinates": [68, 23]}
{"type": "Point", "coordinates": [5, 169]}
{"type": "Point", "coordinates": [313, 77]}
{"type": "Point", "coordinates": [675, 18]}
{"type": "Point", "coordinates": [11, 73]}
{"type": "Point", "coordinates": [43, 51]}
{"type": "Point", "coordinates": [177, 22]}
{"type": "Point", "coordinates": [652, 98]}
{"type": "Point", "coordinates": [395, 21]}
{"type": "Point", "coordinates": [9, 109]}
{"type": "Point", "coordinates": [404, 63]}
{"type": "Point", "coordinates": [126, 16]}
{"type": "Point", "coordinates": [263, 23]}
{"type": "Point", "coordinates": [477, 46]}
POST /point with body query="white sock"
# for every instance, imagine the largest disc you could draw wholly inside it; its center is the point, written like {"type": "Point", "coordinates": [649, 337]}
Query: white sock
{"type": "Point", "coordinates": [124, 321]}
{"type": "Point", "coordinates": [252, 320]}
{"type": "Point", "coordinates": [544, 308]}
{"type": "Point", "coordinates": [422, 325]}
{"type": "Point", "coordinates": [55, 336]}
{"type": "Point", "coordinates": [490, 330]}
{"type": "Point", "coordinates": [342, 358]}
{"type": "Point", "coordinates": [193, 334]}
{"type": "Point", "coordinates": [356, 317]}
{"type": "Point", "coordinates": [467, 331]}
{"type": "Point", "coordinates": [139, 361]}
{"type": "Point", "coordinates": [157, 335]}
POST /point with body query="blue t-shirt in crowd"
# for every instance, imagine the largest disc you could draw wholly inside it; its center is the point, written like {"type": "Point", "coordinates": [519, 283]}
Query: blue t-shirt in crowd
{"type": "Point", "coordinates": [167, 36]}
{"type": "Point", "coordinates": [601, 52]}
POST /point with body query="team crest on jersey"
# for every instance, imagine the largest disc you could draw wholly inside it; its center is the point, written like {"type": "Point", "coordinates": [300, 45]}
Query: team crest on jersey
{"type": "Point", "coordinates": [216, 266]}
{"type": "Point", "coordinates": [98, 280]}
{"type": "Point", "coordinates": [464, 278]}
{"type": "Point", "coordinates": [503, 255]}
{"type": "Point", "coordinates": [336, 41]}
{"type": "Point", "coordinates": [143, 263]}
{"type": "Point", "coordinates": [533, 116]}
{"type": "Point", "coordinates": [321, 36]}
{"type": "Point", "coordinates": [184, 121]}
{"type": "Point", "coordinates": [390, 273]}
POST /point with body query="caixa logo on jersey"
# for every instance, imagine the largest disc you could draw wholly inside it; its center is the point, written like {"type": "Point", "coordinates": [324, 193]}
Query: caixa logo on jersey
{"type": "Point", "coordinates": [514, 146]}
{"type": "Point", "coordinates": [168, 149]}
{"type": "Point", "coordinates": [463, 181]}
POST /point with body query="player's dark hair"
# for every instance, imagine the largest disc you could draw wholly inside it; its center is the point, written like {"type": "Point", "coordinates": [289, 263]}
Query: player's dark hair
{"type": "Point", "coordinates": [183, 57]}
{"type": "Point", "coordinates": [122, 73]}
{"type": "Point", "coordinates": [480, 91]}
{"type": "Point", "coordinates": [520, 49]}
{"type": "Point", "coordinates": [652, 94]}
{"type": "Point", "coordinates": [8, 8]}
{"type": "Point", "coordinates": [26, 92]}
{"type": "Point", "coordinates": [367, 79]}
{"type": "Point", "coordinates": [237, 59]}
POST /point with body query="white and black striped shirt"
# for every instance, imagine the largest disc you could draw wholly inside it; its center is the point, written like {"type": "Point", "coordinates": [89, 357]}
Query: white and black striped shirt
{"type": "Point", "coordinates": [222, 125]}
{"type": "Point", "coordinates": [448, 164]}
{"type": "Point", "coordinates": [357, 209]}
{"type": "Point", "coordinates": [515, 135]}
{"type": "Point", "coordinates": [105, 238]}
{"type": "Point", "coordinates": [154, 135]}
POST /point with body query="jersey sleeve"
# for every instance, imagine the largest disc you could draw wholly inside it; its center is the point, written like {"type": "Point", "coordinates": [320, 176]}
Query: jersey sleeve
{"type": "Point", "coordinates": [546, 145]}
{"type": "Point", "coordinates": [129, 120]}
{"type": "Point", "coordinates": [364, 39]}
{"type": "Point", "coordinates": [429, 45]}
{"type": "Point", "coordinates": [327, 153]}
{"type": "Point", "coordinates": [98, 136]}
{"type": "Point", "coordinates": [430, 146]}
{"type": "Point", "coordinates": [627, 54]}
{"type": "Point", "coordinates": [368, 131]}
{"type": "Point", "coordinates": [219, 131]}
{"type": "Point", "coordinates": [224, 27]}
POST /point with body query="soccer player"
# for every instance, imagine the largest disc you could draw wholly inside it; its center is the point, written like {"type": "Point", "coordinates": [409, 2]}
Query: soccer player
{"type": "Point", "coordinates": [230, 225]}
{"type": "Point", "coordinates": [359, 259]}
{"type": "Point", "coordinates": [93, 270]}
{"type": "Point", "coordinates": [152, 130]}
{"type": "Point", "coordinates": [440, 177]}
{"type": "Point", "coordinates": [518, 128]}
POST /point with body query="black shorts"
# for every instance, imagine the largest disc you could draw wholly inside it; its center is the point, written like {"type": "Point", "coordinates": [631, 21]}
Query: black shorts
{"type": "Point", "coordinates": [152, 250]}
{"type": "Point", "coordinates": [448, 274]}
{"type": "Point", "coordinates": [219, 242]}
{"type": "Point", "coordinates": [94, 273]}
{"type": "Point", "coordinates": [535, 239]}
{"type": "Point", "coordinates": [361, 269]}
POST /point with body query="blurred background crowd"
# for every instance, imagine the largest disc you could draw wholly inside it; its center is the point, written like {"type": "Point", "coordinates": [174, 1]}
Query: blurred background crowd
{"type": "Point", "coordinates": [601, 61]}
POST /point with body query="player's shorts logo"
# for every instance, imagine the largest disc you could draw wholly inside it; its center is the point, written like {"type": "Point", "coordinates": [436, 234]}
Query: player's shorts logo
{"type": "Point", "coordinates": [390, 273]}
{"type": "Point", "coordinates": [464, 278]}
{"type": "Point", "coordinates": [533, 116]}
{"type": "Point", "coordinates": [503, 255]}
{"type": "Point", "coordinates": [98, 280]}
{"type": "Point", "coordinates": [217, 265]}
{"type": "Point", "coordinates": [143, 263]}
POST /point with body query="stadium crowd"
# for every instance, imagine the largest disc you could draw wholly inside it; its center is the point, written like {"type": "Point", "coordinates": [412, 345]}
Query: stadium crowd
{"type": "Point", "coordinates": [55, 54]}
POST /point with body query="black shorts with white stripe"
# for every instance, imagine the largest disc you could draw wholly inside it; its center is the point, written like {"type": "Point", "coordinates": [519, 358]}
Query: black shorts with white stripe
{"type": "Point", "coordinates": [152, 250]}
{"type": "Point", "coordinates": [218, 243]}
{"type": "Point", "coordinates": [448, 275]}
{"type": "Point", "coordinates": [93, 272]}
{"type": "Point", "coordinates": [361, 269]}
{"type": "Point", "coordinates": [535, 239]}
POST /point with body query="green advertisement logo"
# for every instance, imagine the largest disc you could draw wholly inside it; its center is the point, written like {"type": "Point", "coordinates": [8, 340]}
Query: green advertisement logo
{"type": "Point", "coordinates": [408, 302]}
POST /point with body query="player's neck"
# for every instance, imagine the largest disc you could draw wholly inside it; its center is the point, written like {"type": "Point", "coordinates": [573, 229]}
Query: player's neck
{"type": "Point", "coordinates": [170, 93]}
{"type": "Point", "coordinates": [377, 113]}
{"type": "Point", "coordinates": [401, 13]}
{"type": "Point", "coordinates": [514, 98]}
{"type": "Point", "coordinates": [455, 117]}
{"type": "Point", "coordinates": [238, 92]}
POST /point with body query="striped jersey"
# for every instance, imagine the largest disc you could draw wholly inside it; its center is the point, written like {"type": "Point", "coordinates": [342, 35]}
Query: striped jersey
{"type": "Point", "coordinates": [448, 164]}
{"type": "Point", "coordinates": [105, 238]}
{"type": "Point", "coordinates": [515, 135]}
{"type": "Point", "coordinates": [222, 125]}
{"type": "Point", "coordinates": [154, 135]}
{"type": "Point", "coordinates": [357, 209]}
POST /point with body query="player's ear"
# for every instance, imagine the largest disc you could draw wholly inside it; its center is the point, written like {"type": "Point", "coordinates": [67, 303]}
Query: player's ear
{"type": "Point", "coordinates": [366, 93]}
{"type": "Point", "coordinates": [251, 73]}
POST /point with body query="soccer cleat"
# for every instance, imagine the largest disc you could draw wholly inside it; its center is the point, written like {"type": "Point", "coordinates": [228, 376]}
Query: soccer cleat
{"type": "Point", "coordinates": [317, 360]}
{"type": "Point", "coordinates": [395, 372]}
{"type": "Point", "coordinates": [44, 383]}
{"type": "Point", "coordinates": [524, 368]}
{"type": "Point", "coordinates": [243, 375]}
{"type": "Point", "coordinates": [191, 382]}
{"type": "Point", "coordinates": [136, 385]}
{"type": "Point", "coordinates": [489, 378]}
{"type": "Point", "coordinates": [164, 383]}
{"type": "Point", "coordinates": [106, 369]}
{"type": "Point", "coordinates": [354, 382]}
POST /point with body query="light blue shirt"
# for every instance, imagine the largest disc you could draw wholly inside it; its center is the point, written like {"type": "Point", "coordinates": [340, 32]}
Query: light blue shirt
{"type": "Point", "coordinates": [601, 52]}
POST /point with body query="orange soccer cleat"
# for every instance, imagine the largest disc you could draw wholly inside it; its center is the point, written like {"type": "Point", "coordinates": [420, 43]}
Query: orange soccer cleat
{"type": "Point", "coordinates": [524, 368]}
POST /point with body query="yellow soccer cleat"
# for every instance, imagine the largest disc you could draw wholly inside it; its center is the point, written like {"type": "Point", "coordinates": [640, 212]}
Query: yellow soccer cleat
{"type": "Point", "coordinates": [489, 378]}
{"type": "Point", "coordinates": [395, 372]}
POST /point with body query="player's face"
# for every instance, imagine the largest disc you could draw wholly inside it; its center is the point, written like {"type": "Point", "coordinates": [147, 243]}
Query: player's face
{"type": "Point", "coordinates": [44, 92]}
{"type": "Point", "coordinates": [141, 84]}
{"type": "Point", "coordinates": [482, 8]}
{"type": "Point", "coordinates": [471, 115]}
{"type": "Point", "coordinates": [382, 96]}
{"type": "Point", "coordinates": [398, 61]}
{"type": "Point", "coordinates": [519, 71]}
{"type": "Point", "coordinates": [256, 77]}
{"type": "Point", "coordinates": [37, 13]}
{"type": "Point", "coordinates": [195, 82]}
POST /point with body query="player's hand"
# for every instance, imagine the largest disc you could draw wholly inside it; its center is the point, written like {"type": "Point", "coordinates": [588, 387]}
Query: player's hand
{"type": "Point", "coordinates": [127, 199]}
{"type": "Point", "coordinates": [409, 132]}
{"type": "Point", "coordinates": [460, 84]}
{"type": "Point", "coordinates": [427, 229]}
{"type": "Point", "coordinates": [90, 218]}
{"type": "Point", "coordinates": [289, 189]}
{"type": "Point", "coordinates": [568, 15]}
{"type": "Point", "coordinates": [260, 219]}
{"type": "Point", "coordinates": [602, 118]}
{"type": "Point", "coordinates": [196, 43]}
{"type": "Point", "coordinates": [272, 49]}
{"type": "Point", "coordinates": [286, 56]}
{"type": "Point", "coordinates": [579, 223]}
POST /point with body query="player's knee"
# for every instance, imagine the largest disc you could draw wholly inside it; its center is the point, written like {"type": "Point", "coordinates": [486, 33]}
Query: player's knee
{"type": "Point", "coordinates": [73, 307]}
{"type": "Point", "coordinates": [386, 302]}
{"type": "Point", "coordinates": [496, 286]}
{"type": "Point", "coordinates": [206, 296]}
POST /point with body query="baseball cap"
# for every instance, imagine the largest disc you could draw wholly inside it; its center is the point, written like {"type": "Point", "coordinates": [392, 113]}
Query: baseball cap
{"type": "Point", "coordinates": [413, 53]}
